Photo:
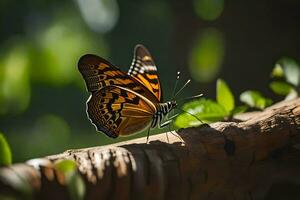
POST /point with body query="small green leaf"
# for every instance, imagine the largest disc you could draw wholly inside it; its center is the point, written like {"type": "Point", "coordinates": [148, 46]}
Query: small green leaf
{"type": "Point", "coordinates": [65, 166]}
{"type": "Point", "coordinates": [204, 109]}
{"type": "Point", "coordinates": [291, 70]}
{"type": "Point", "coordinates": [225, 96]}
{"type": "Point", "coordinates": [75, 183]}
{"type": "Point", "coordinates": [277, 71]}
{"type": "Point", "coordinates": [5, 152]}
{"type": "Point", "coordinates": [292, 95]}
{"type": "Point", "coordinates": [239, 109]}
{"type": "Point", "coordinates": [76, 187]}
{"type": "Point", "coordinates": [280, 87]}
{"type": "Point", "coordinates": [255, 99]}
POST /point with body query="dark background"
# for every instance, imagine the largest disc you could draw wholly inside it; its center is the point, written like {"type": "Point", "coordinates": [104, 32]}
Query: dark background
{"type": "Point", "coordinates": [42, 95]}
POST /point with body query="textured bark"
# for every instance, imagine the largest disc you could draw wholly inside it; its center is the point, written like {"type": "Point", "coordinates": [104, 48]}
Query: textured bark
{"type": "Point", "coordinates": [254, 158]}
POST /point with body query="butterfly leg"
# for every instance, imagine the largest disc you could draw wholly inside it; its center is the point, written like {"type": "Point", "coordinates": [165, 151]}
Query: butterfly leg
{"type": "Point", "coordinates": [172, 117]}
{"type": "Point", "coordinates": [171, 121]}
{"type": "Point", "coordinates": [148, 135]}
{"type": "Point", "coordinates": [166, 123]}
{"type": "Point", "coordinates": [167, 138]}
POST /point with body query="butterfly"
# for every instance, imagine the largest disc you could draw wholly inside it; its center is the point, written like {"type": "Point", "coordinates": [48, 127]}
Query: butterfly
{"type": "Point", "coordinates": [122, 103]}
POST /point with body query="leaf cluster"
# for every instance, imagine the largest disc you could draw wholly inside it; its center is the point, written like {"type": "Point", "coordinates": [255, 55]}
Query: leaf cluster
{"type": "Point", "coordinates": [224, 107]}
{"type": "Point", "coordinates": [286, 78]}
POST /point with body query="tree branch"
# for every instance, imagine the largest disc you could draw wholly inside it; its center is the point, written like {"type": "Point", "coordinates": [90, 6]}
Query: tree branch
{"type": "Point", "coordinates": [250, 159]}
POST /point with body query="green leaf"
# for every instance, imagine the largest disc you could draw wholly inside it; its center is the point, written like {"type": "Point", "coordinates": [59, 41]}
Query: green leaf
{"type": "Point", "coordinates": [239, 109]}
{"type": "Point", "coordinates": [75, 183]}
{"type": "Point", "coordinates": [65, 166]}
{"type": "Point", "coordinates": [204, 109]}
{"type": "Point", "coordinates": [280, 87]}
{"type": "Point", "coordinates": [255, 99]}
{"type": "Point", "coordinates": [225, 96]}
{"type": "Point", "coordinates": [291, 70]}
{"type": "Point", "coordinates": [76, 187]}
{"type": "Point", "coordinates": [277, 71]}
{"type": "Point", "coordinates": [292, 95]}
{"type": "Point", "coordinates": [5, 152]}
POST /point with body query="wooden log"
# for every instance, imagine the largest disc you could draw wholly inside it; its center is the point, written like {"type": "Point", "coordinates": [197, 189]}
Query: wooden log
{"type": "Point", "coordinates": [256, 157]}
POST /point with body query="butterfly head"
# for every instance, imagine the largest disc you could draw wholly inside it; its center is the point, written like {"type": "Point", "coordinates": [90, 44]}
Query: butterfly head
{"type": "Point", "coordinates": [171, 105]}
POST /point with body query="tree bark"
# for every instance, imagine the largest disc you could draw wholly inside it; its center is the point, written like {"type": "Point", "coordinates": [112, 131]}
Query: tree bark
{"type": "Point", "coordinates": [255, 157]}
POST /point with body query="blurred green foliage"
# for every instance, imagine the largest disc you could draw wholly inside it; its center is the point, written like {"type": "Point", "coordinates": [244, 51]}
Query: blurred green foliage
{"type": "Point", "coordinates": [281, 88]}
{"type": "Point", "coordinates": [101, 16]}
{"type": "Point", "coordinates": [209, 9]}
{"type": "Point", "coordinates": [255, 99]}
{"type": "Point", "coordinates": [15, 81]}
{"type": "Point", "coordinates": [291, 70]}
{"type": "Point", "coordinates": [286, 78]}
{"type": "Point", "coordinates": [5, 152]}
{"type": "Point", "coordinates": [58, 48]}
{"type": "Point", "coordinates": [207, 55]}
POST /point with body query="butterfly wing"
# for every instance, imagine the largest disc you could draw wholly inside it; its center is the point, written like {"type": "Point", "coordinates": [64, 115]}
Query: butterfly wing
{"type": "Point", "coordinates": [144, 70]}
{"type": "Point", "coordinates": [99, 73]}
{"type": "Point", "coordinates": [116, 111]}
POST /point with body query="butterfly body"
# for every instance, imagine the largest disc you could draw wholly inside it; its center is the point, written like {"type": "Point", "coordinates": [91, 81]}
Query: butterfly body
{"type": "Point", "coordinates": [124, 103]}
{"type": "Point", "coordinates": [163, 109]}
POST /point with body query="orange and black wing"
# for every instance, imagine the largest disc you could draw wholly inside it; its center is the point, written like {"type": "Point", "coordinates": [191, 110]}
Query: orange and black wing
{"type": "Point", "coordinates": [144, 70]}
{"type": "Point", "coordinates": [99, 73]}
{"type": "Point", "coordinates": [116, 111]}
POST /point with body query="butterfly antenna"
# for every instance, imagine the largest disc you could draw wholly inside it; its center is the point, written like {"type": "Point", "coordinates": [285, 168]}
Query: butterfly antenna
{"type": "Point", "coordinates": [192, 97]}
{"type": "Point", "coordinates": [186, 83]}
{"type": "Point", "coordinates": [176, 83]}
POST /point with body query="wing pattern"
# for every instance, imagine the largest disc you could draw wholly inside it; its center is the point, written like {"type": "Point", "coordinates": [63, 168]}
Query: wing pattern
{"type": "Point", "coordinates": [144, 70]}
{"type": "Point", "coordinates": [99, 73]}
{"type": "Point", "coordinates": [119, 111]}
{"type": "Point", "coordinates": [120, 103]}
